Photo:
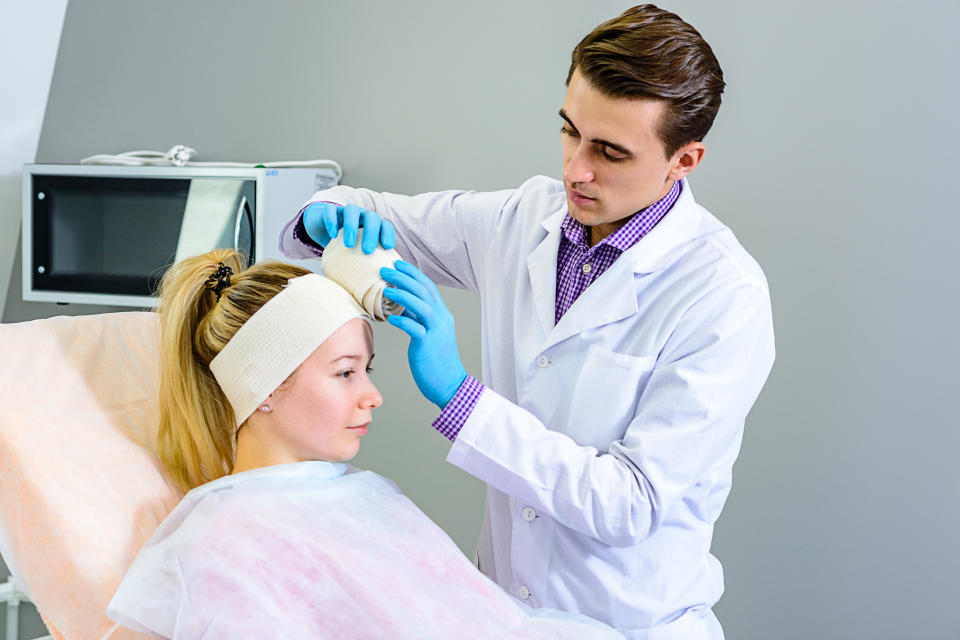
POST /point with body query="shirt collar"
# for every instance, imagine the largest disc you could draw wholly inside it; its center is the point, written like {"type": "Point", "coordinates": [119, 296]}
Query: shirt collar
{"type": "Point", "coordinates": [630, 233]}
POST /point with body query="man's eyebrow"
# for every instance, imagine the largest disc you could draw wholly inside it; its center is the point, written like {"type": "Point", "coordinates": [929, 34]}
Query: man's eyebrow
{"type": "Point", "coordinates": [613, 145]}
{"type": "Point", "coordinates": [563, 114]}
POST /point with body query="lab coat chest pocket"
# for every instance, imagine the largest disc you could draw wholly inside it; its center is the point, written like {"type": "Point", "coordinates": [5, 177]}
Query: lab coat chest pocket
{"type": "Point", "coordinates": [605, 396]}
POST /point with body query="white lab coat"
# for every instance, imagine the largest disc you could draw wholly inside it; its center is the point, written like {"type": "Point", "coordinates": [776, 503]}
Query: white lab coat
{"type": "Point", "coordinates": [607, 441]}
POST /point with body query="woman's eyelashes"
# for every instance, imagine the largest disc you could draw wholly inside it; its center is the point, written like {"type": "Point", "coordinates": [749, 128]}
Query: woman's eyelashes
{"type": "Point", "coordinates": [348, 373]}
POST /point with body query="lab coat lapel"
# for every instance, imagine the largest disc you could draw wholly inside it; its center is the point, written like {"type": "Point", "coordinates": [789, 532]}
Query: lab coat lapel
{"type": "Point", "coordinates": [542, 265]}
{"type": "Point", "coordinates": [613, 296]}
{"type": "Point", "coordinates": [609, 298]}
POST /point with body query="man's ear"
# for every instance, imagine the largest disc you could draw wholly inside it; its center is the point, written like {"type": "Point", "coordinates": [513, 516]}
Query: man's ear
{"type": "Point", "coordinates": [686, 160]}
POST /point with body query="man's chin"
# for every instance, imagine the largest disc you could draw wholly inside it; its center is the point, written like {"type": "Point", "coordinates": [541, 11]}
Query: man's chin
{"type": "Point", "coordinates": [585, 217]}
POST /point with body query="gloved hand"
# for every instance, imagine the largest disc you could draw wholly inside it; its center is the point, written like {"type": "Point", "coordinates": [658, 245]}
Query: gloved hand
{"type": "Point", "coordinates": [433, 355]}
{"type": "Point", "coordinates": [323, 221]}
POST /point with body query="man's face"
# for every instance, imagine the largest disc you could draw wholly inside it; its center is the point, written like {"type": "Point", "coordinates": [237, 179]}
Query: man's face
{"type": "Point", "coordinates": [613, 161]}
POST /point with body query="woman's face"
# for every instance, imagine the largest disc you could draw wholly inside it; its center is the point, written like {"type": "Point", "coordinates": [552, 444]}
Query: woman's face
{"type": "Point", "coordinates": [324, 408]}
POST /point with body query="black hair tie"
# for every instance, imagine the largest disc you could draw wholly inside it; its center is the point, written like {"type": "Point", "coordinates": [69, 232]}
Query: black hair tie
{"type": "Point", "coordinates": [220, 280]}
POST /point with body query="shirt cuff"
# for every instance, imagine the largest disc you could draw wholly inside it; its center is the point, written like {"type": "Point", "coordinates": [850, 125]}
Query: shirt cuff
{"type": "Point", "coordinates": [455, 414]}
{"type": "Point", "coordinates": [300, 235]}
{"type": "Point", "coordinates": [300, 232]}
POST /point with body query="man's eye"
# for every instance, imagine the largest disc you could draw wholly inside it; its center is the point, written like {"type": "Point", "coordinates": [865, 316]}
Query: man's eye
{"type": "Point", "coordinates": [565, 130]}
{"type": "Point", "coordinates": [612, 158]}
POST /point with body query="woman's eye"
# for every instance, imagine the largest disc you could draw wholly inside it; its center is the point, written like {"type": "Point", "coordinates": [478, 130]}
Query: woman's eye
{"type": "Point", "coordinates": [566, 131]}
{"type": "Point", "coordinates": [345, 374]}
{"type": "Point", "coordinates": [369, 369]}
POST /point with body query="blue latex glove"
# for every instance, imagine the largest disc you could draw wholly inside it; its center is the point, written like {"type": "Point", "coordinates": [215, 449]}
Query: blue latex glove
{"type": "Point", "coordinates": [433, 355]}
{"type": "Point", "coordinates": [323, 221]}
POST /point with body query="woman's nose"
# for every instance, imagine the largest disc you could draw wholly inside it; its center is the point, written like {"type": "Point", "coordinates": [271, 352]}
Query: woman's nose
{"type": "Point", "coordinates": [371, 398]}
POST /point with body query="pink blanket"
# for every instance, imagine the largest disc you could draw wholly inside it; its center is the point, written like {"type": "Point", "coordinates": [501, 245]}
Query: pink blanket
{"type": "Point", "coordinates": [81, 487]}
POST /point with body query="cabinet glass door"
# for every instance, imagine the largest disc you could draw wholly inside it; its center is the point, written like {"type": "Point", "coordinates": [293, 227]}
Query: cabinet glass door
{"type": "Point", "coordinates": [118, 235]}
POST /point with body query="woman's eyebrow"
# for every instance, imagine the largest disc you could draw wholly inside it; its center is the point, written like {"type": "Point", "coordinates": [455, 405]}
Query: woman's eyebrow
{"type": "Point", "coordinates": [352, 357]}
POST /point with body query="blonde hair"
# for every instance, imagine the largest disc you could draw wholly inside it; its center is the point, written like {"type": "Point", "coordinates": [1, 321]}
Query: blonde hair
{"type": "Point", "coordinates": [196, 436]}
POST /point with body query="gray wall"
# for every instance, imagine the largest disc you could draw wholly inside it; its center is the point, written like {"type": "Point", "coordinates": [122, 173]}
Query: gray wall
{"type": "Point", "coordinates": [830, 159]}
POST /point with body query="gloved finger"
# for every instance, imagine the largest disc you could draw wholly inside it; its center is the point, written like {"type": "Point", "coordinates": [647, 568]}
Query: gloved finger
{"type": "Point", "coordinates": [422, 311]}
{"type": "Point", "coordinates": [412, 328]}
{"type": "Point", "coordinates": [371, 230]}
{"type": "Point", "coordinates": [388, 235]}
{"type": "Point", "coordinates": [405, 283]}
{"type": "Point", "coordinates": [419, 276]}
{"type": "Point", "coordinates": [316, 221]}
{"type": "Point", "coordinates": [332, 218]}
{"type": "Point", "coordinates": [351, 224]}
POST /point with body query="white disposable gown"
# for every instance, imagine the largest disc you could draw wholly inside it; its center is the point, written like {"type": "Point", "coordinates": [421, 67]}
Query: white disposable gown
{"type": "Point", "coordinates": [317, 550]}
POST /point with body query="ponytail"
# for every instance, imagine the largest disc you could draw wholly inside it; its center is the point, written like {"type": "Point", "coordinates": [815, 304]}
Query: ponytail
{"type": "Point", "coordinates": [202, 306]}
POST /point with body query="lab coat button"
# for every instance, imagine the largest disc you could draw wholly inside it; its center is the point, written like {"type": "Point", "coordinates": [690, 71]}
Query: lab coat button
{"type": "Point", "coordinates": [529, 514]}
{"type": "Point", "coordinates": [524, 593]}
{"type": "Point", "coordinates": [543, 362]}
{"type": "Point", "coordinates": [587, 268]}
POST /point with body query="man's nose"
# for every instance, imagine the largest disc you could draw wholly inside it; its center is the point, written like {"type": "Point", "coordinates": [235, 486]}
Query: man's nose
{"type": "Point", "coordinates": [579, 167]}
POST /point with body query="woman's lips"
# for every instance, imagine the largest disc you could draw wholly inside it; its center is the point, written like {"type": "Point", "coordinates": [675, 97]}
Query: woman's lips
{"type": "Point", "coordinates": [362, 429]}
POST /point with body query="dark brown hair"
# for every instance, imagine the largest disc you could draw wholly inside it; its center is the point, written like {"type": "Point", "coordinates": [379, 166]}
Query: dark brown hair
{"type": "Point", "coordinates": [647, 52]}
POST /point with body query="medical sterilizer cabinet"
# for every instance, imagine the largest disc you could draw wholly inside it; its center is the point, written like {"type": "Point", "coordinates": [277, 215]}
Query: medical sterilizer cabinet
{"type": "Point", "coordinates": [99, 234]}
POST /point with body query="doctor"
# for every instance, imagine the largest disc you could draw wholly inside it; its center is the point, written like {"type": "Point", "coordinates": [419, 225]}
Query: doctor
{"type": "Point", "coordinates": [626, 335]}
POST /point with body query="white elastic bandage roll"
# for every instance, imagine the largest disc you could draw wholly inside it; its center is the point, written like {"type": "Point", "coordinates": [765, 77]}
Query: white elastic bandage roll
{"type": "Point", "coordinates": [359, 274]}
{"type": "Point", "coordinates": [279, 337]}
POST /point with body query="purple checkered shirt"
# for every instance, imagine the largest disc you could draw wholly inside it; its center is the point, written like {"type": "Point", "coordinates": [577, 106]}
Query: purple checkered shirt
{"type": "Point", "coordinates": [578, 265]}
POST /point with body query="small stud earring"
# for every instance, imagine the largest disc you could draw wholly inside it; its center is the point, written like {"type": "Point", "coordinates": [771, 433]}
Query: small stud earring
{"type": "Point", "coordinates": [265, 408]}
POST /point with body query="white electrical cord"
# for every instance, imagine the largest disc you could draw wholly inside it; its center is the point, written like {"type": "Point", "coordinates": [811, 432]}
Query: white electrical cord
{"type": "Point", "coordinates": [182, 156]}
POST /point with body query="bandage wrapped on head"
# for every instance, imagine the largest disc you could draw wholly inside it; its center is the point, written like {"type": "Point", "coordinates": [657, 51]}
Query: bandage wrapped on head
{"type": "Point", "coordinates": [279, 337]}
{"type": "Point", "coordinates": [291, 325]}
{"type": "Point", "coordinates": [359, 274]}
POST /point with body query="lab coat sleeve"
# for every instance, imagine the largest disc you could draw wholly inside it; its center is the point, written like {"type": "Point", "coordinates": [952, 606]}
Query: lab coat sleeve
{"type": "Point", "coordinates": [446, 234]}
{"type": "Point", "coordinates": [683, 438]}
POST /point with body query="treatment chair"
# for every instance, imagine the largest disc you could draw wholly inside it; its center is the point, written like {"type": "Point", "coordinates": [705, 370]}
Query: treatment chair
{"type": "Point", "coordinates": [82, 489]}
{"type": "Point", "coordinates": [81, 486]}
